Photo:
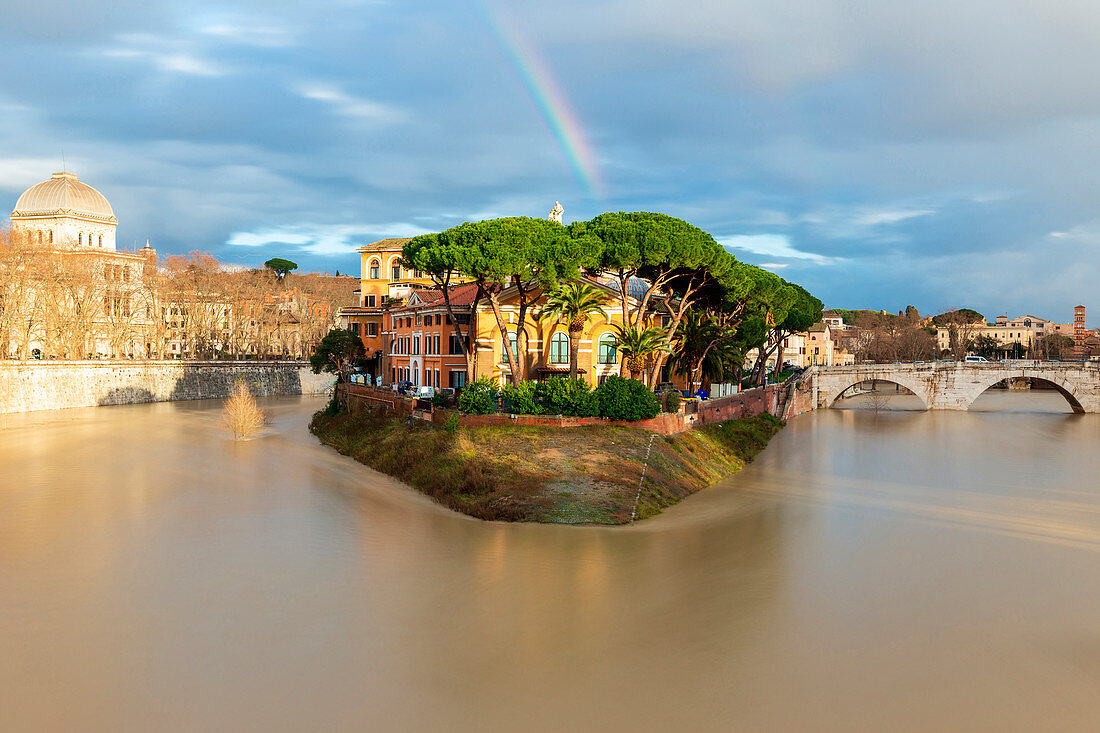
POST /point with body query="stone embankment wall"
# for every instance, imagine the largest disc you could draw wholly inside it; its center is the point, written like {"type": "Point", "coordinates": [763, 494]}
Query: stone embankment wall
{"type": "Point", "coordinates": [744, 404]}
{"type": "Point", "coordinates": [51, 385]}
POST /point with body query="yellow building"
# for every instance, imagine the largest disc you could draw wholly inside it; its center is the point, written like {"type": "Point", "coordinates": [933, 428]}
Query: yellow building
{"type": "Point", "coordinates": [1026, 330]}
{"type": "Point", "coordinates": [383, 283]}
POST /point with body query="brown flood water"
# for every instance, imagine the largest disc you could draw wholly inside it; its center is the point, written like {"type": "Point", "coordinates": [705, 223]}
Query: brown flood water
{"type": "Point", "coordinates": [898, 570]}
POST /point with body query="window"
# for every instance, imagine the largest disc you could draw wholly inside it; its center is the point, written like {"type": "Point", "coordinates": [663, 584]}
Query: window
{"type": "Point", "coordinates": [416, 345]}
{"type": "Point", "coordinates": [608, 349]}
{"type": "Point", "coordinates": [438, 319]}
{"type": "Point", "coordinates": [559, 348]}
{"type": "Point", "coordinates": [436, 377]}
{"type": "Point", "coordinates": [457, 379]}
{"type": "Point", "coordinates": [456, 346]}
{"type": "Point", "coordinates": [125, 270]}
{"type": "Point", "coordinates": [100, 240]}
{"type": "Point", "coordinates": [374, 270]}
{"type": "Point", "coordinates": [504, 349]}
{"type": "Point", "coordinates": [80, 238]}
{"type": "Point", "coordinates": [370, 329]}
{"type": "Point", "coordinates": [395, 272]}
{"type": "Point", "coordinates": [435, 346]}
{"type": "Point", "coordinates": [368, 301]}
{"type": "Point", "coordinates": [418, 320]}
{"type": "Point", "coordinates": [355, 328]}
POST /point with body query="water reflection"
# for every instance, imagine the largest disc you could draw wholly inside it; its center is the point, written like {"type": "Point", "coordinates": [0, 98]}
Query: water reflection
{"type": "Point", "coordinates": [900, 569]}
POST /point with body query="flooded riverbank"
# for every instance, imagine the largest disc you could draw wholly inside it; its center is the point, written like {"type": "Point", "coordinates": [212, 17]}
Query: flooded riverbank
{"type": "Point", "coordinates": [895, 570]}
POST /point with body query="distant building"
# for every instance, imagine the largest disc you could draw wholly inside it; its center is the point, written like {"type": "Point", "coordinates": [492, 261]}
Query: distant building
{"type": "Point", "coordinates": [64, 230]}
{"type": "Point", "coordinates": [818, 346]}
{"type": "Point", "coordinates": [1026, 330]}
{"type": "Point", "coordinates": [1080, 346]}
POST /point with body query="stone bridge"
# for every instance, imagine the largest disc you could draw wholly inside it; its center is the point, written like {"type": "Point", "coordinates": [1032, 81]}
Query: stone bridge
{"type": "Point", "coordinates": [955, 385]}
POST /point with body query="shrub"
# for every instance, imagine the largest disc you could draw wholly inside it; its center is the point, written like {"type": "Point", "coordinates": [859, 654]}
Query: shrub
{"type": "Point", "coordinates": [241, 414]}
{"type": "Point", "coordinates": [520, 400]}
{"type": "Point", "coordinates": [670, 400]}
{"type": "Point", "coordinates": [479, 398]}
{"type": "Point", "coordinates": [333, 407]}
{"type": "Point", "coordinates": [625, 399]}
{"type": "Point", "coordinates": [564, 396]}
{"type": "Point", "coordinates": [451, 423]}
{"type": "Point", "coordinates": [440, 399]}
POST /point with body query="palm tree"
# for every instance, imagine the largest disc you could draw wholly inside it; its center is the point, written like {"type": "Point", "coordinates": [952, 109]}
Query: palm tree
{"type": "Point", "coordinates": [574, 302]}
{"type": "Point", "coordinates": [638, 345]}
{"type": "Point", "coordinates": [699, 349]}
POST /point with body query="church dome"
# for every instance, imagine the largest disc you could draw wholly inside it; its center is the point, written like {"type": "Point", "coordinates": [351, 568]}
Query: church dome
{"type": "Point", "coordinates": [64, 195]}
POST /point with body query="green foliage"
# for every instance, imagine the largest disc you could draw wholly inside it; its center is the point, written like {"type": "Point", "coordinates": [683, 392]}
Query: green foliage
{"type": "Point", "coordinates": [332, 408]}
{"type": "Point", "coordinates": [986, 346]}
{"type": "Point", "coordinates": [451, 423]}
{"type": "Point", "coordinates": [519, 400]}
{"type": "Point", "coordinates": [962, 315]}
{"type": "Point", "coordinates": [574, 303]}
{"type": "Point", "coordinates": [562, 396]}
{"type": "Point", "coordinates": [625, 399]}
{"type": "Point", "coordinates": [280, 266]}
{"type": "Point", "coordinates": [479, 398]}
{"type": "Point", "coordinates": [670, 400]}
{"type": "Point", "coordinates": [337, 349]}
{"type": "Point", "coordinates": [700, 337]}
{"type": "Point", "coordinates": [745, 437]}
{"type": "Point", "coordinates": [440, 399]}
{"type": "Point", "coordinates": [639, 344]}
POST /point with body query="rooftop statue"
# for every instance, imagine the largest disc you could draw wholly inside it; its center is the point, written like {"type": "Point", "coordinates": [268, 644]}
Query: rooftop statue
{"type": "Point", "coordinates": [556, 212]}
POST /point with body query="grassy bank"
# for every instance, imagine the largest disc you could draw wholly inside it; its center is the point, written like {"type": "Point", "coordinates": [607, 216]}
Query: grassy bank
{"type": "Point", "coordinates": [542, 474]}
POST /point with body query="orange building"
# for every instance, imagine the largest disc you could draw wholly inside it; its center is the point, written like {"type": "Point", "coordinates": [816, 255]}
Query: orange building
{"type": "Point", "coordinates": [383, 284]}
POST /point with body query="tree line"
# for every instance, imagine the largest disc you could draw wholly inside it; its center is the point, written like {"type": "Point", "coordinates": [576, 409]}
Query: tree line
{"type": "Point", "coordinates": [714, 307]}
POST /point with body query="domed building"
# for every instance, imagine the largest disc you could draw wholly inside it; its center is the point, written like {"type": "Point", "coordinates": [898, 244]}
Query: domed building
{"type": "Point", "coordinates": [65, 212]}
{"type": "Point", "coordinates": [70, 229]}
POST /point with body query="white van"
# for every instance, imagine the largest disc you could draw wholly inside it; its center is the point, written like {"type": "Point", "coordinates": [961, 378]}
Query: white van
{"type": "Point", "coordinates": [979, 359]}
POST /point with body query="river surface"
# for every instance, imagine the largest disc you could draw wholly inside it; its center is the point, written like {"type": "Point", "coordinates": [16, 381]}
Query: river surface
{"type": "Point", "coordinates": [872, 570]}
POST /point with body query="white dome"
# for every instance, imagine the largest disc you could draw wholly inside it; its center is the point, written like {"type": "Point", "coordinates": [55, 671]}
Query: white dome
{"type": "Point", "coordinates": [64, 195]}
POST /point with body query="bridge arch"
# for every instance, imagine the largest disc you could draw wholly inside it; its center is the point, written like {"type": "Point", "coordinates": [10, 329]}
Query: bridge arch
{"type": "Point", "coordinates": [847, 381]}
{"type": "Point", "coordinates": [1064, 387]}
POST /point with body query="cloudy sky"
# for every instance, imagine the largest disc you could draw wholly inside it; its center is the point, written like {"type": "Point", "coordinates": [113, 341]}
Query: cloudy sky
{"type": "Point", "coordinates": [941, 153]}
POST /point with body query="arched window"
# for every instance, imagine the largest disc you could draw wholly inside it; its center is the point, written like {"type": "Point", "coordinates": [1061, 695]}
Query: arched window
{"type": "Point", "coordinates": [374, 270]}
{"type": "Point", "coordinates": [80, 238]}
{"type": "Point", "coordinates": [609, 349]}
{"type": "Point", "coordinates": [559, 348]}
{"type": "Point", "coordinates": [100, 240]}
{"type": "Point", "coordinates": [395, 272]}
{"type": "Point", "coordinates": [504, 349]}
{"type": "Point", "coordinates": [51, 236]}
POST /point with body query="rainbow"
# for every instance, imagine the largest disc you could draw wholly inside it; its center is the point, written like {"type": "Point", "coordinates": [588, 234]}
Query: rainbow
{"type": "Point", "coordinates": [548, 97]}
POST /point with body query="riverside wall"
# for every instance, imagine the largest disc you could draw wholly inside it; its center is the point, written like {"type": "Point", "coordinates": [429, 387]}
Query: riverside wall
{"type": "Point", "coordinates": [691, 414]}
{"type": "Point", "coordinates": [49, 385]}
